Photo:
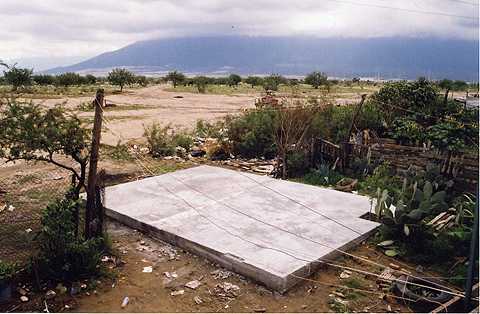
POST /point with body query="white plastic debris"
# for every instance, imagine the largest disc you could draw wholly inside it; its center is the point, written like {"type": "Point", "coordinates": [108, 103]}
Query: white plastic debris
{"type": "Point", "coordinates": [177, 292]}
{"type": "Point", "coordinates": [147, 269]}
{"type": "Point", "coordinates": [125, 302]}
{"type": "Point", "coordinates": [194, 284]}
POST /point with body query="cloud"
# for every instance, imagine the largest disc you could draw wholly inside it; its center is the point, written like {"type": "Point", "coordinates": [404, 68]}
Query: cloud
{"type": "Point", "coordinates": [56, 28]}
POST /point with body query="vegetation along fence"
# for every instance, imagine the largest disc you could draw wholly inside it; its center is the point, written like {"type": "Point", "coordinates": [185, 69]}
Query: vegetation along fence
{"type": "Point", "coordinates": [23, 196]}
{"type": "Point", "coordinates": [460, 166]}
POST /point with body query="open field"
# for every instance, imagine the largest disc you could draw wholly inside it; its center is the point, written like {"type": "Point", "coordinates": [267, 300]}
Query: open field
{"type": "Point", "coordinates": [180, 107]}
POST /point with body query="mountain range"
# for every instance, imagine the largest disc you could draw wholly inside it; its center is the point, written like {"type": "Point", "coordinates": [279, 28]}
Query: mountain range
{"type": "Point", "coordinates": [387, 58]}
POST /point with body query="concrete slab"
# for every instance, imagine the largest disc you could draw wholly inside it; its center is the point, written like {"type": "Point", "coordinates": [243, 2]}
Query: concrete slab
{"type": "Point", "coordinates": [251, 224]}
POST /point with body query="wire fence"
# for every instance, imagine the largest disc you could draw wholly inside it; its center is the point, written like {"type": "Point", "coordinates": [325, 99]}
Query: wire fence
{"type": "Point", "coordinates": [24, 192]}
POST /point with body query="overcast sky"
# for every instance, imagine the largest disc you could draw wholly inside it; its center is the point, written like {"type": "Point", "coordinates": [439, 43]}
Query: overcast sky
{"type": "Point", "coordinates": [60, 29]}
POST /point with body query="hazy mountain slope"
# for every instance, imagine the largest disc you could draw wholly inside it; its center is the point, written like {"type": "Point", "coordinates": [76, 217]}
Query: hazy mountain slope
{"type": "Point", "coordinates": [387, 57]}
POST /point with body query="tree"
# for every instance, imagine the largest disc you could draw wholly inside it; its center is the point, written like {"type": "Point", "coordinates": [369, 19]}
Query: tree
{"type": "Point", "coordinates": [254, 81]}
{"type": "Point", "coordinates": [68, 79]}
{"type": "Point", "coordinates": [141, 80]}
{"type": "Point", "coordinates": [90, 79]}
{"type": "Point", "coordinates": [28, 132]}
{"type": "Point", "coordinates": [201, 83]}
{"type": "Point", "coordinates": [447, 85]}
{"type": "Point", "coordinates": [175, 77]}
{"type": "Point", "coordinates": [316, 79]}
{"type": "Point", "coordinates": [234, 80]}
{"type": "Point", "coordinates": [44, 79]}
{"type": "Point", "coordinates": [121, 77]}
{"type": "Point", "coordinates": [273, 81]}
{"type": "Point", "coordinates": [17, 77]}
{"type": "Point", "coordinates": [293, 121]}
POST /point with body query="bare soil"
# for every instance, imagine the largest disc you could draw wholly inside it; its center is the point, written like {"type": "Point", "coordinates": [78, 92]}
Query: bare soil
{"type": "Point", "coordinates": [154, 104]}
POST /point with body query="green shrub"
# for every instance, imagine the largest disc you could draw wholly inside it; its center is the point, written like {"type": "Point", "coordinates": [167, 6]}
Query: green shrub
{"type": "Point", "coordinates": [159, 140]}
{"type": "Point", "coordinates": [322, 176]}
{"type": "Point", "coordinates": [183, 140]}
{"type": "Point", "coordinates": [251, 133]}
{"type": "Point", "coordinates": [206, 129]}
{"type": "Point", "coordinates": [7, 270]}
{"type": "Point", "coordinates": [64, 255]}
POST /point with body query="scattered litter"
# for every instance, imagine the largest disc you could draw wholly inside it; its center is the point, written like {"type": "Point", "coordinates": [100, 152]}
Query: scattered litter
{"type": "Point", "coordinates": [391, 253]}
{"type": "Point", "coordinates": [260, 310]}
{"type": "Point", "coordinates": [145, 261]}
{"type": "Point", "coordinates": [194, 284]}
{"type": "Point", "coordinates": [177, 292]}
{"type": "Point", "coordinates": [198, 300]}
{"type": "Point", "coordinates": [394, 266]}
{"type": "Point", "coordinates": [345, 274]}
{"type": "Point", "coordinates": [147, 269]}
{"type": "Point", "coordinates": [28, 230]}
{"type": "Point", "coordinates": [168, 251]}
{"type": "Point", "coordinates": [24, 298]}
{"type": "Point", "coordinates": [22, 291]}
{"type": "Point", "coordinates": [142, 242]}
{"type": "Point", "coordinates": [83, 286]}
{"type": "Point", "coordinates": [170, 274]}
{"type": "Point", "coordinates": [11, 208]}
{"type": "Point", "coordinates": [386, 243]}
{"type": "Point", "coordinates": [338, 294]}
{"type": "Point", "coordinates": [67, 306]}
{"type": "Point", "coordinates": [125, 302]}
{"type": "Point", "coordinates": [221, 274]}
{"type": "Point", "coordinates": [61, 289]}
{"type": "Point", "coordinates": [50, 294]}
{"type": "Point", "coordinates": [57, 178]}
{"type": "Point", "coordinates": [227, 289]}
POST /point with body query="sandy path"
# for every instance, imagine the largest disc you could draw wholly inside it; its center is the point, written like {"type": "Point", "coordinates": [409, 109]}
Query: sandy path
{"type": "Point", "coordinates": [156, 104]}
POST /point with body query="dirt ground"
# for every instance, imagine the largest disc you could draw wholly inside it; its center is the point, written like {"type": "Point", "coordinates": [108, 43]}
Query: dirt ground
{"type": "Point", "coordinates": [137, 108]}
{"type": "Point", "coordinates": [30, 186]}
{"type": "Point", "coordinates": [172, 268]}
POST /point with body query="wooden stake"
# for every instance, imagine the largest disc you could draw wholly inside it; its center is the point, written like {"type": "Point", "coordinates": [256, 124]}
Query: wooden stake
{"type": "Point", "coordinates": [90, 213]}
{"type": "Point", "coordinates": [354, 119]}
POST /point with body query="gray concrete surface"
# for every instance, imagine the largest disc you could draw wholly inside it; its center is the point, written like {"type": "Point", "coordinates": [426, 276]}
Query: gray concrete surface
{"type": "Point", "coordinates": [241, 224]}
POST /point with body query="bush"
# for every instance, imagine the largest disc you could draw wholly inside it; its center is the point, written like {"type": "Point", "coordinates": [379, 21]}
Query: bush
{"type": "Point", "coordinates": [64, 256]}
{"type": "Point", "coordinates": [252, 133]}
{"type": "Point", "coordinates": [322, 176]}
{"type": "Point", "coordinates": [206, 129]}
{"type": "Point", "coordinates": [7, 271]}
{"type": "Point", "coordinates": [159, 140]}
{"type": "Point", "coordinates": [183, 140]}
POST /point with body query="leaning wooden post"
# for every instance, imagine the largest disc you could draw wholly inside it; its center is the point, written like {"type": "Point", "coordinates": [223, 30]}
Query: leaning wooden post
{"type": "Point", "coordinates": [92, 171]}
{"type": "Point", "coordinates": [354, 118]}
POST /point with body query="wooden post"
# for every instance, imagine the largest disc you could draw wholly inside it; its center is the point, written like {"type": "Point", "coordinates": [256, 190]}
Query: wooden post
{"type": "Point", "coordinates": [354, 118]}
{"type": "Point", "coordinates": [90, 212]}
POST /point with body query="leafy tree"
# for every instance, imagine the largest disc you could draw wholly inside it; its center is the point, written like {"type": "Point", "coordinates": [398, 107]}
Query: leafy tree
{"type": "Point", "coordinates": [121, 77]}
{"type": "Point", "coordinates": [17, 77]}
{"type": "Point", "coordinates": [175, 77]}
{"type": "Point", "coordinates": [273, 81]}
{"type": "Point", "coordinates": [316, 79]}
{"type": "Point", "coordinates": [90, 79]}
{"type": "Point", "coordinates": [201, 83]}
{"type": "Point", "coordinates": [44, 79]}
{"type": "Point", "coordinates": [141, 80]}
{"type": "Point", "coordinates": [68, 79]}
{"type": "Point", "coordinates": [27, 132]}
{"type": "Point", "coordinates": [234, 80]}
{"type": "Point", "coordinates": [447, 85]}
{"type": "Point", "coordinates": [254, 81]}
